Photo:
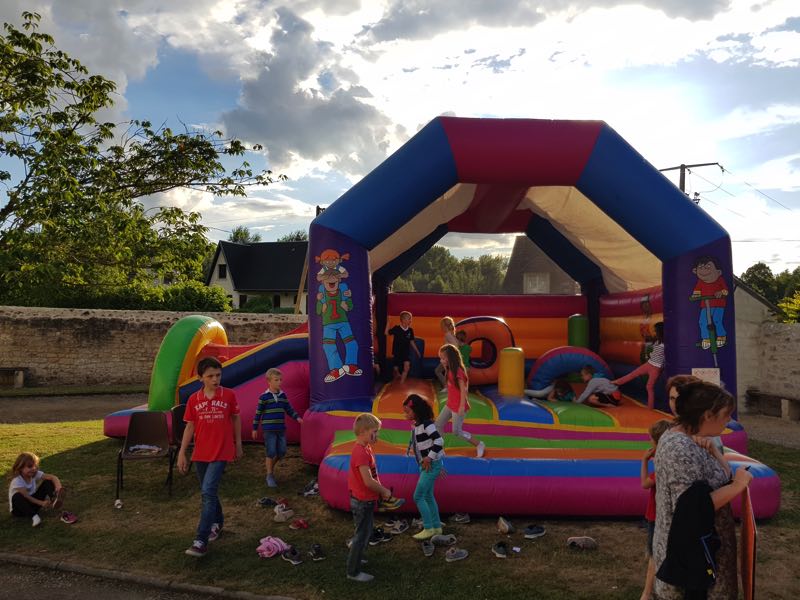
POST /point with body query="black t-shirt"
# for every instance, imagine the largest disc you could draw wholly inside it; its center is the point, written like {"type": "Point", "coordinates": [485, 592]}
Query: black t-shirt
{"type": "Point", "coordinates": [401, 344]}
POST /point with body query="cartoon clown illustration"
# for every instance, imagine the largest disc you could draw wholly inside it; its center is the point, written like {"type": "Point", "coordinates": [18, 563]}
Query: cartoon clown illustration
{"type": "Point", "coordinates": [711, 291]}
{"type": "Point", "coordinates": [334, 301]}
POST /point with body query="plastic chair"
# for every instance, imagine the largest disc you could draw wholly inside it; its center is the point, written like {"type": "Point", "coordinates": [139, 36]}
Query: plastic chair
{"type": "Point", "coordinates": [178, 427]}
{"type": "Point", "coordinates": [146, 428]}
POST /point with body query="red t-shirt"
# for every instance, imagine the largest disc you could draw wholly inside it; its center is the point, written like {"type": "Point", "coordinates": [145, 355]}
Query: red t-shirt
{"type": "Point", "coordinates": [650, 513]}
{"type": "Point", "coordinates": [709, 289]}
{"type": "Point", "coordinates": [213, 429]}
{"type": "Point", "coordinates": [362, 455]}
{"type": "Point", "coordinates": [454, 392]}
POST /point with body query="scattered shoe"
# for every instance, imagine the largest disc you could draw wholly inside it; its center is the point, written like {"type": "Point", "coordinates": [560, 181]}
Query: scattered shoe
{"type": "Point", "coordinates": [69, 518]}
{"type": "Point", "coordinates": [425, 534]}
{"type": "Point", "coordinates": [417, 524]}
{"type": "Point", "coordinates": [280, 507]}
{"type": "Point", "coordinates": [481, 449]}
{"type": "Point", "coordinates": [583, 542]}
{"type": "Point", "coordinates": [298, 524]}
{"type": "Point", "coordinates": [266, 502]}
{"type": "Point", "coordinates": [198, 549]}
{"type": "Point", "coordinates": [271, 481]}
{"type": "Point", "coordinates": [397, 526]}
{"type": "Point", "coordinates": [428, 548]}
{"type": "Point", "coordinates": [281, 516]}
{"type": "Point", "coordinates": [292, 555]}
{"type": "Point", "coordinates": [379, 536]}
{"type": "Point", "coordinates": [216, 529]}
{"type": "Point", "coordinates": [504, 526]}
{"type": "Point", "coordinates": [534, 531]}
{"type": "Point", "coordinates": [500, 550]}
{"type": "Point", "coordinates": [362, 577]}
{"type": "Point", "coordinates": [284, 501]}
{"type": "Point", "coordinates": [312, 489]}
{"type": "Point", "coordinates": [453, 554]}
{"type": "Point", "coordinates": [36, 520]}
{"type": "Point", "coordinates": [443, 540]}
{"type": "Point", "coordinates": [58, 499]}
{"type": "Point", "coordinates": [350, 543]}
{"type": "Point", "coordinates": [462, 518]}
{"type": "Point", "coordinates": [317, 553]}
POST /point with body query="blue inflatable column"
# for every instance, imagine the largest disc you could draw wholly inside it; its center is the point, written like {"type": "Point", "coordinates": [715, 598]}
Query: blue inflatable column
{"type": "Point", "coordinates": [699, 318]}
{"type": "Point", "coordinates": [340, 317]}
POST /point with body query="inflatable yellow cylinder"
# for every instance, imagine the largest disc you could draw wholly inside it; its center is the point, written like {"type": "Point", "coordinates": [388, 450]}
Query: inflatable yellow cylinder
{"type": "Point", "coordinates": [511, 377]}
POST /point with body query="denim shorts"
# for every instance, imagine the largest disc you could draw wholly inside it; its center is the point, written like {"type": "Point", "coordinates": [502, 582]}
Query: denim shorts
{"type": "Point", "coordinates": [275, 444]}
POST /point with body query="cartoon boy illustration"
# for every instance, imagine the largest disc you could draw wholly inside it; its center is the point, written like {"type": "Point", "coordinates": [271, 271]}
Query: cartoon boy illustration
{"type": "Point", "coordinates": [334, 301]}
{"type": "Point", "coordinates": [712, 291]}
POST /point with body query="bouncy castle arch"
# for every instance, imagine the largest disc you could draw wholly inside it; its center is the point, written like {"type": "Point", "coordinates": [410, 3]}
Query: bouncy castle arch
{"type": "Point", "coordinates": [576, 188]}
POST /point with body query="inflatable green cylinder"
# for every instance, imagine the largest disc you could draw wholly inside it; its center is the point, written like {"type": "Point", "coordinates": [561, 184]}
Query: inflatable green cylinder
{"type": "Point", "coordinates": [578, 331]}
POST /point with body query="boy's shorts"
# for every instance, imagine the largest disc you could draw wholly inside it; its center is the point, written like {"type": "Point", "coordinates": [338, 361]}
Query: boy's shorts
{"type": "Point", "coordinates": [399, 361]}
{"type": "Point", "coordinates": [275, 444]}
{"type": "Point", "coordinates": [651, 528]}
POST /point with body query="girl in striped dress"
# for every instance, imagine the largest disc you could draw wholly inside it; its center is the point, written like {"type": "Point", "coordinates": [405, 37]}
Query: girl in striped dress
{"type": "Point", "coordinates": [428, 448]}
{"type": "Point", "coordinates": [651, 368]}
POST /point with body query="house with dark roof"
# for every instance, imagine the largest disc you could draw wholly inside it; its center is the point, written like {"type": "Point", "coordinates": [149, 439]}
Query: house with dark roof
{"type": "Point", "coordinates": [262, 269]}
{"type": "Point", "coordinates": [531, 271]}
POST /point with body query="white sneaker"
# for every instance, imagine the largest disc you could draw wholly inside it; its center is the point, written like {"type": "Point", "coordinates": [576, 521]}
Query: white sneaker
{"type": "Point", "coordinates": [362, 577]}
{"type": "Point", "coordinates": [481, 449]}
{"type": "Point", "coordinates": [36, 520]}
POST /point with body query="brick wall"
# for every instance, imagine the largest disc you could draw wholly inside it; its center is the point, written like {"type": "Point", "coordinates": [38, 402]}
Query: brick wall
{"type": "Point", "coordinates": [84, 347]}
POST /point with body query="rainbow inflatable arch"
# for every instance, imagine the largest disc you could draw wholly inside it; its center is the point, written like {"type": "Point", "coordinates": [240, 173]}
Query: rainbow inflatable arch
{"type": "Point", "coordinates": [641, 251]}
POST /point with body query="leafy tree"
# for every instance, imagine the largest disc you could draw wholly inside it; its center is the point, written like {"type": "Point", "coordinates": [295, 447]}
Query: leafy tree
{"type": "Point", "coordinates": [439, 271]}
{"type": "Point", "coordinates": [760, 277]}
{"type": "Point", "coordinates": [787, 283]}
{"type": "Point", "coordinates": [242, 235]}
{"type": "Point", "coordinates": [301, 235]}
{"type": "Point", "coordinates": [73, 219]}
{"type": "Point", "coordinates": [791, 308]}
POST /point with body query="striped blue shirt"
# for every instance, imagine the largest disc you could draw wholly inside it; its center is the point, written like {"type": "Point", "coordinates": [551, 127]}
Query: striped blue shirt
{"type": "Point", "coordinates": [271, 411]}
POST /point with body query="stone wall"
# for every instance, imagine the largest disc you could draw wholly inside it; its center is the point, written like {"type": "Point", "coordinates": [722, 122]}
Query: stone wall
{"type": "Point", "coordinates": [751, 315]}
{"type": "Point", "coordinates": [84, 347]}
{"type": "Point", "coordinates": [779, 360]}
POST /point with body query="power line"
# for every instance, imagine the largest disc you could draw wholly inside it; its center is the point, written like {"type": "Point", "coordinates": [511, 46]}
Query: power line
{"type": "Point", "coordinates": [757, 190]}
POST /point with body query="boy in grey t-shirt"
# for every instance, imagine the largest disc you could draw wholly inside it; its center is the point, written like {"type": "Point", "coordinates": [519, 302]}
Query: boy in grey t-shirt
{"type": "Point", "coordinates": [599, 392]}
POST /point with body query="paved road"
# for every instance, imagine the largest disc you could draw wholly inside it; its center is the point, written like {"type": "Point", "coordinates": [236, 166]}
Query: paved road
{"type": "Point", "coordinates": [30, 583]}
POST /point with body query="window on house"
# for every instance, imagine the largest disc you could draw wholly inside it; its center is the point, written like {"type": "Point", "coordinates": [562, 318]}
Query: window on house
{"type": "Point", "coordinates": [276, 301]}
{"type": "Point", "coordinates": [536, 283]}
{"type": "Point", "coordinates": [222, 271]}
{"type": "Point", "coordinates": [242, 300]}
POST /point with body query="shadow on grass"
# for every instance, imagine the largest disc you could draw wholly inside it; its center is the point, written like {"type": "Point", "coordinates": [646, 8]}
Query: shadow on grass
{"type": "Point", "coordinates": [153, 529]}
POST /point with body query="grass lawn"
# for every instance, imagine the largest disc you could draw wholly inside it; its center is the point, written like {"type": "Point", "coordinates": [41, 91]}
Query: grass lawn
{"type": "Point", "coordinates": [151, 532]}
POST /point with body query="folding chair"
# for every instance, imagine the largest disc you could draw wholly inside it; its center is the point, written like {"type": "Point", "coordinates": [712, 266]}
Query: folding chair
{"type": "Point", "coordinates": [147, 438]}
{"type": "Point", "coordinates": [178, 427]}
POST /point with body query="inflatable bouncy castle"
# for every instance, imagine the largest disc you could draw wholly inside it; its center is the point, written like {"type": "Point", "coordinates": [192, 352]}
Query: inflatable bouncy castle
{"type": "Point", "coordinates": [641, 251]}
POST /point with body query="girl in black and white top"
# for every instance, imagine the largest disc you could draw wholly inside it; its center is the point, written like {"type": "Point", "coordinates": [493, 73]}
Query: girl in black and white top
{"type": "Point", "coordinates": [428, 447]}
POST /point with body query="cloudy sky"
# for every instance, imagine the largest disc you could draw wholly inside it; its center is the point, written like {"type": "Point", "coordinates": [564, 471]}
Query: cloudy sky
{"type": "Point", "coordinates": [331, 87]}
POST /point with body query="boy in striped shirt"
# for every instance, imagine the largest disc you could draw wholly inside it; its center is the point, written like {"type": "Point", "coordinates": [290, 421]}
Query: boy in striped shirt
{"type": "Point", "coordinates": [273, 406]}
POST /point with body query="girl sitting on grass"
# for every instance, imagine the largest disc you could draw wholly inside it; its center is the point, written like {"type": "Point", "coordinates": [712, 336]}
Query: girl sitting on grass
{"type": "Point", "coordinates": [32, 491]}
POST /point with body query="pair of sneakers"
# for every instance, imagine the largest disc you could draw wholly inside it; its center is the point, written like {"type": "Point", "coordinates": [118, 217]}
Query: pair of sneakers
{"type": "Point", "coordinates": [198, 549]}
{"type": "Point", "coordinates": [379, 536]}
{"type": "Point", "coordinates": [282, 513]}
{"type": "Point", "coordinates": [396, 526]}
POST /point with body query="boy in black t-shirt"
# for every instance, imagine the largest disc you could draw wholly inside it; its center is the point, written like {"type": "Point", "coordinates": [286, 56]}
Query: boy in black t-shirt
{"type": "Point", "coordinates": [401, 346]}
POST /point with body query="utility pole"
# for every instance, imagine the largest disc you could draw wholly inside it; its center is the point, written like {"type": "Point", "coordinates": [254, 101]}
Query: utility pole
{"type": "Point", "coordinates": [683, 168]}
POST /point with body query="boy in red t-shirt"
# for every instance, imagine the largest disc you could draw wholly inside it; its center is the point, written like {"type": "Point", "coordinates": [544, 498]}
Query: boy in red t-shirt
{"type": "Point", "coordinates": [365, 489]}
{"type": "Point", "coordinates": [656, 430]}
{"type": "Point", "coordinates": [212, 417]}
